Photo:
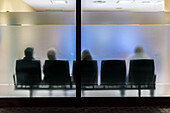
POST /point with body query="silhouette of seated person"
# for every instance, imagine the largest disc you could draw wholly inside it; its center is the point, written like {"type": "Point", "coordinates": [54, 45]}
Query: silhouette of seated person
{"type": "Point", "coordinates": [139, 54]}
{"type": "Point", "coordinates": [51, 55]}
{"type": "Point", "coordinates": [86, 55]}
{"type": "Point", "coordinates": [28, 70]}
{"type": "Point", "coordinates": [89, 71]}
{"type": "Point", "coordinates": [56, 72]}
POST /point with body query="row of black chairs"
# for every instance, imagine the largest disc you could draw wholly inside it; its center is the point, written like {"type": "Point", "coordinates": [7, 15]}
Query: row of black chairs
{"type": "Point", "coordinates": [113, 72]}
{"type": "Point", "coordinates": [28, 72]}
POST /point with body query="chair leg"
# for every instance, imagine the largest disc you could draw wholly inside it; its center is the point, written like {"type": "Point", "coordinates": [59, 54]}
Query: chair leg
{"type": "Point", "coordinates": [31, 93]}
{"type": "Point", "coordinates": [139, 92]}
{"type": "Point", "coordinates": [65, 93]}
{"type": "Point", "coordinates": [82, 93]}
{"type": "Point", "coordinates": [122, 93]}
{"type": "Point", "coordinates": [152, 92]}
{"type": "Point", "coordinates": [50, 93]}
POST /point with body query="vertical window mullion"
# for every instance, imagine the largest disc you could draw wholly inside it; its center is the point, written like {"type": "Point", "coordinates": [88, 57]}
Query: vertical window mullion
{"type": "Point", "coordinates": [78, 51]}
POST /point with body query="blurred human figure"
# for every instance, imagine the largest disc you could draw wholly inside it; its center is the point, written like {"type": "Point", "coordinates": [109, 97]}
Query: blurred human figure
{"type": "Point", "coordinates": [29, 53]}
{"type": "Point", "coordinates": [86, 55]}
{"type": "Point", "coordinates": [28, 70]}
{"type": "Point", "coordinates": [139, 53]}
{"type": "Point", "coordinates": [51, 54]}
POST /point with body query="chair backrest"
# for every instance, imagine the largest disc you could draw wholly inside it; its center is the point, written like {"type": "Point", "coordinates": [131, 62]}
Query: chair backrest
{"type": "Point", "coordinates": [113, 72]}
{"type": "Point", "coordinates": [89, 72]}
{"type": "Point", "coordinates": [74, 72]}
{"type": "Point", "coordinates": [56, 72]}
{"type": "Point", "coordinates": [141, 72]}
{"type": "Point", "coordinates": [28, 72]}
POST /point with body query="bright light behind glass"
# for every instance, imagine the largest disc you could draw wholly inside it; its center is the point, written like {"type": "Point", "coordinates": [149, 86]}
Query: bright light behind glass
{"type": "Point", "coordinates": [59, 1]}
{"type": "Point", "coordinates": [125, 1]}
{"type": "Point", "coordinates": [161, 1]}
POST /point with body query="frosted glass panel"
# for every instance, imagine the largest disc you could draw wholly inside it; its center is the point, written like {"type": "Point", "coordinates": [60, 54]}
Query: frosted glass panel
{"type": "Point", "coordinates": [46, 18]}
{"type": "Point", "coordinates": [125, 18]}
{"type": "Point", "coordinates": [13, 41]}
{"type": "Point", "coordinates": [108, 42]}
{"type": "Point", "coordinates": [38, 18]}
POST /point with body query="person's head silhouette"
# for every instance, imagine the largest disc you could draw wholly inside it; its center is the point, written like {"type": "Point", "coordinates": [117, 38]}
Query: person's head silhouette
{"type": "Point", "coordinates": [139, 49]}
{"type": "Point", "coordinates": [51, 54]}
{"type": "Point", "coordinates": [86, 55]}
{"type": "Point", "coordinates": [29, 53]}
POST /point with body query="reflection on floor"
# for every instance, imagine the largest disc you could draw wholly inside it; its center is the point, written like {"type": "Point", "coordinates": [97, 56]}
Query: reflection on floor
{"type": "Point", "coordinates": [9, 91]}
{"type": "Point", "coordinates": [87, 110]}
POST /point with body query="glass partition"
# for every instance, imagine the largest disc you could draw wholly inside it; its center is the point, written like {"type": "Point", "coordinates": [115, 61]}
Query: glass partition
{"type": "Point", "coordinates": [125, 49]}
{"type": "Point", "coordinates": [118, 42]}
{"type": "Point", "coordinates": [15, 39]}
{"type": "Point", "coordinates": [48, 31]}
{"type": "Point", "coordinates": [38, 18]}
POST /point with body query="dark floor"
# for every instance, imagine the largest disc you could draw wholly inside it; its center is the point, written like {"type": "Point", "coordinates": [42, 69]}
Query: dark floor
{"type": "Point", "coordinates": [86, 110]}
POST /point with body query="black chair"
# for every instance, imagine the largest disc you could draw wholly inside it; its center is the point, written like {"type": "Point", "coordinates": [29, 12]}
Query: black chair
{"type": "Point", "coordinates": [74, 72]}
{"type": "Point", "coordinates": [28, 72]}
{"type": "Point", "coordinates": [57, 72]}
{"type": "Point", "coordinates": [89, 73]}
{"type": "Point", "coordinates": [142, 74]}
{"type": "Point", "coordinates": [113, 72]}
